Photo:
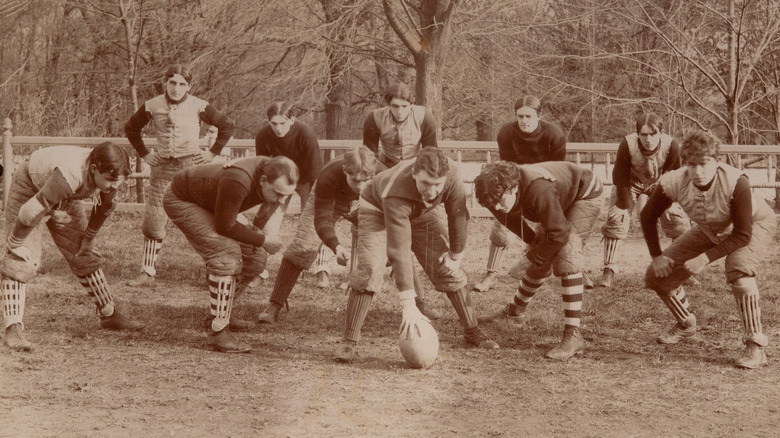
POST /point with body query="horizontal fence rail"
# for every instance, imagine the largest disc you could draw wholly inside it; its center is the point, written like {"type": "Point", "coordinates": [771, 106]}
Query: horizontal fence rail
{"type": "Point", "coordinates": [758, 160]}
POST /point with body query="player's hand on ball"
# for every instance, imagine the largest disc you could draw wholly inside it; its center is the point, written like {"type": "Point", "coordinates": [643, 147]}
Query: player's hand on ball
{"type": "Point", "coordinates": [411, 317]}
{"type": "Point", "coordinates": [518, 270]}
{"type": "Point", "coordinates": [272, 245]}
{"type": "Point", "coordinates": [342, 255]}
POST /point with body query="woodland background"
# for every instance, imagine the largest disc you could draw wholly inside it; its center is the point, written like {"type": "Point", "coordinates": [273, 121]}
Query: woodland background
{"type": "Point", "coordinates": [81, 67]}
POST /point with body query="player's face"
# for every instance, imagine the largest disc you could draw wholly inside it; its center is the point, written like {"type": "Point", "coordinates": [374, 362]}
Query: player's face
{"type": "Point", "coordinates": [428, 186]}
{"type": "Point", "coordinates": [356, 182]}
{"type": "Point", "coordinates": [507, 201]}
{"type": "Point", "coordinates": [104, 181]}
{"type": "Point", "coordinates": [702, 170]}
{"type": "Point", "coordinates": [650, 137]}
{"type": "Point", "coordinates": [281, 125]}
{"type": "Point", "coordinates": [400, 109]}
{"type": "Point", "coordinates": [177, 87]}
{"type": "Point", "coordinates": [527, 119]}
{"type": "Point", "coordinates": [277, 191]}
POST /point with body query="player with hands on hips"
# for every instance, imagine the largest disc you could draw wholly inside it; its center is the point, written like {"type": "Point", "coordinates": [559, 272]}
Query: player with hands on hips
{"type": "Point", "coordinates": [730, 221]}
{"type": "Point", "coordinates": [176, 117]}
{"type": "Point", "coordinates": [47, 188]}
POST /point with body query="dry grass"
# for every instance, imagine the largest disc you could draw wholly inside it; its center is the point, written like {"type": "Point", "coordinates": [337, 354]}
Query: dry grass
{"type": "Point", "coordinates": [82, 381]}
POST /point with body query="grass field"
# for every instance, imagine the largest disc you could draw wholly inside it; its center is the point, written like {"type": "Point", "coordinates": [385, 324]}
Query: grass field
{"type": "Point", "coordinates": [82, 381]}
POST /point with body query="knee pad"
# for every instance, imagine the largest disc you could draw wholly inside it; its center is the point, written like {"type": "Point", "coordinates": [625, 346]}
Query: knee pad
{"type": "Point", "coordinates": [499, 235]}
{"type": "Point", "coordinates": [17, 269]}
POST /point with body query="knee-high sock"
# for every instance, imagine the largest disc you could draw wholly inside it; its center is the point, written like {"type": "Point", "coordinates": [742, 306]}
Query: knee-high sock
{"type": "Point", "coordinates": [495, 254]}
{"type": "Point", "coordinates": [571, 293]}
{"type": "Point", "coordinates": [526, 291]}
{"type": "Point", "coordinates": [285, 281]}
{"type": "Point", "coordinates": [221, 291]}
{"type": "Point", "coordinates": [611, 247]}
{"type": "Point", "coordinates": [323, 257]}
{"type": "Point", "coordinates": [461, 301]}
{"type": "Point", "coordinates": [678, 304]}
{"type": "Point", "coordinates": [152, 249]}
{"type": "Point", "coordinates": [12, 296]}
{"type": "Point", "coordinates": [746, 294]}
{"type": "Point", "coordinates": [97, 287]}
{"type": "Point", "coordinates": [357, 309]}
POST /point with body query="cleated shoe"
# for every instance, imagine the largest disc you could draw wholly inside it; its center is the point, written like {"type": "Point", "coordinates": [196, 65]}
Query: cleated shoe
{"type": "Point", "coordinates": [607, 277]}
{"type": "Point", "coordinates": [270, 315]}
{"type": "Point", "coordinates": [571, 344]}
{"type": "Point", "coordinates": [475, 337]}
{"type": "Point", "coordinates": [142, 280]}
{"type": "Point", "coordinates": [223, 342]}
{"type": "Point", "coordinates": [509, 314]}
{"type": "Point", "coordinates": [428, 312]}
{"type": "Point", "coordinates": [323, 280]}
{"type": "Point", "coordinates": [346, 351]}
{"type": "Point", "coordinates": [118, 322]}
{"type": "Point", "coordinates": [677, 333]}
{"type": "Point", "coordinates": [753, 357]}
{"type": "Point", "coordinates": [15, 340]}
{"type": "Point", "coordinates": [487, 282]}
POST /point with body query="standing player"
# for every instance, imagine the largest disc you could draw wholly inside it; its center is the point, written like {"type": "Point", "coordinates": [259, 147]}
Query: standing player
{"type": "Point", "coordinates": [204, 202]}
{"type": "Point", "coordinates": [642, 157]}
{"type": "Point", "coordinates": [729, 221]}
{"type": "Point", "coordinates": [286, 136]}
{"type": "Point", "coordinates": [526, 141]}
{"type": "Point", "coordinates": [397, 219]}
{"type": "Point", "coordinates": [175, 116]}
{"type": "Point", "coordinates": [47, 189]}
{"type": "Point", "coordinates": [564, 199]}
{"type": "Point", "coordinates": [401, 127]}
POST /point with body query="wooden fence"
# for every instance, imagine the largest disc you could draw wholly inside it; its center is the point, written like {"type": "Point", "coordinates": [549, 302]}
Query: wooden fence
{"type": "Point", "coordinates": [759, 159]}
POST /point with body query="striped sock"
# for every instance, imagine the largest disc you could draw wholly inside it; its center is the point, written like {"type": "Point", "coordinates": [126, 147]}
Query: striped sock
{"type": "Point", "coordinates": [526, 291]}
{"type": "Point", "coordinates": [571, 293]}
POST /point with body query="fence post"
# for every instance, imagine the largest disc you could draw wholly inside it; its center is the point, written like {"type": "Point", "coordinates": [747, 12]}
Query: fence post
{"type": "Point", "coordinates": [8, 160]}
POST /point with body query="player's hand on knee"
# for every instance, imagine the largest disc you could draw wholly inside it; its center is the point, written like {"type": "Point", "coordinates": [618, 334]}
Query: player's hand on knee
{"type": "Point", "coordinates": [662, 266]}
{"type": "Point", "coordinates": [87, 246]}
{"type": "Point", "coordinates": [697, 264]}
{"type": "Point", "coordinates": [518, 270]}
{"type": "Point", "coordinates": [451, 261]}
{"type": "Point", "coordinates": [342, 255]}
{"type": "Point", "coordinates": [272, 245]}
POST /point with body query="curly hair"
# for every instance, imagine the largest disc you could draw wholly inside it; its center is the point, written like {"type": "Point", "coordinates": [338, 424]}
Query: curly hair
{"type": "Point", "coordinates": [697, 145]}
{"type": "Point", "coordinates": [432, 160]}
{"type": "Point", "coordinates": [495, 180]}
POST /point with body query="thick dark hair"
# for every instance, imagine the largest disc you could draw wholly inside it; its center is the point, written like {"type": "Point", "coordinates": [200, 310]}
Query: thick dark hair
{"type": "Point", "coordinates": [281, 166]}
{"type": "Point", "coordinates": [179, 69]}
{"type": "Point", "coordinates": [360, 162]}
{"type": "Point", "coordinates": [529, 101]}
{"type": "Point", "coordinates": [109, 158]}
{"type": "Point", "coordinates": [432, 160]}
{"type": "Point", "coordinates": [495, 179]}
{"type": "Point", "coordinates": [398, 90]}
{"type": "Point", "coordinates": [652, 120]}
{"type": "Point", "coordinates": [280, 108]}
{"type": "Point", "coordinates": [699, 144]}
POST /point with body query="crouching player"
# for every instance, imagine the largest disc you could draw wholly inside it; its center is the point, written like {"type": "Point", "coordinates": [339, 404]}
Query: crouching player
{"type": "Point", "coordinates": [335, 191]}
{"type": "Point", "coordinates": [565, 200]}
{"type": "Point", "coordinates": [397, 217]}
{"type": "Point", "coordinates": [47, 189]}
{"type": "Point", "coordinates": [205, 202]}
{"type": "Point", "coordinates": [728, 221]}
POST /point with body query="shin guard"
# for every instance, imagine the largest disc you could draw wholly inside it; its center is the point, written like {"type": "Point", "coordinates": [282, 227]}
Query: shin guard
{"type": "Point", "coordinates": [461, 301]}
{"type": "Point", "coordinates": [221, 291]}
{"type": "Point", "coordinates": [571, 293]}
{"type": "Point", "coordinates": [611, 247]}
{"type": "Point", "coordinates": [357, 309]}
{"type": "Point", "coordinates": [321, 262]}
{"type": "Point", "coordinates": [12, 296]}
{"type": "Point", "coordinates": [285, 281]}
{"type": "Point", "coordinates": [152, 249]}
{"type": "Point", "coordinates": [746, 294]}
{"type": "Point", "coordinates": [97, 287]}
{"type": "Point", "coordinates": [495, 254]}
{"type": "Point", "coordinates": [678, 304]}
